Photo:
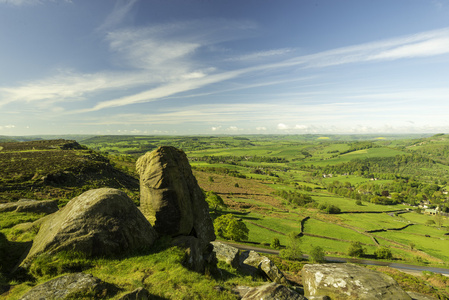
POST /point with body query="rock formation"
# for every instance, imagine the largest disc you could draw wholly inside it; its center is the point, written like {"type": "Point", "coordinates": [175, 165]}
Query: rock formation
{"type": "Point", "coordinates": [71, 286]}
{"type": "Point", "coordinates": [170, 196]}
{"type": "Point", "coordinates": [199, 255]}
{"type": "Point", "coordinates": [101, 222]}
{"type": "Point", "coordinates": [255, 264]}
{"type": "Point", "coordinates": [272, 291]}
{"type": "Point", "coordinates": [226, 253]}
{"type": "Point", "coordinates": [34, 206]}
{"type": "Point", "coordinates": [348, 281]}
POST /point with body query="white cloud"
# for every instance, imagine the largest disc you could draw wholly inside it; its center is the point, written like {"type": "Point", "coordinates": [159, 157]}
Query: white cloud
{"type": "Point", "coordinates": [261, 128]}
{"type": "Point", "coordinates": [429, 43]}
{"type": "Point", "coordinates": [162, 63]}
{"type": "Point", "coordinates": [301, 127]}
{"type": "Point", "coordinates": [232, 128]}
{"type": "Point", "coordinates": [216, 128]}
{"type": "Point", "coordinates": [120, 11]}
{"type": "Point", "coordinates": [282, 126]}
{"type": "Point", "coordinates": [7, 127]}
{"type": "Point", "coordinates": [262, 54]}
{"type": "Point", "coordinates": [431, 47]}
{"type": "Point", "coordinates": [70, 86]}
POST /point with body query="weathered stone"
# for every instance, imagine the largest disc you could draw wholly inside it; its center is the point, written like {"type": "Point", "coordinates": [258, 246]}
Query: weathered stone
{"type": "Point", "coordinates": [348, 281]}
{"type": "Point", "coordinates": [272, 291]}
{"type": "Point", "coordinates": [34, 206]}
{"type": "Point", "coordinates": [137, 294]}
{"type": "Point", "coordinates": [419, 296]}
{"type": "Point", "coordinates": [170, 196]}
{"type": "Point", "coordinates": [255, 264]}
{"type": "Point", "coordinates": [71, 286]}
{"type": "Point", "coordinates": [199, 254]}
{"type": "Point", "coordinates": [99, 222]}
{"type": "Point", "coordinates": [226, 253]}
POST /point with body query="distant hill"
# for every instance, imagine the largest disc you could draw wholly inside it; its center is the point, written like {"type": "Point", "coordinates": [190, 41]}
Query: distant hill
{"type": "Point", "coordinates": [56, 169]}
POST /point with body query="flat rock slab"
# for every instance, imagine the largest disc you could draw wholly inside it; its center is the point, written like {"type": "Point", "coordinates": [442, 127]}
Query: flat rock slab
{"type": "Point", "coordinates": [34, 206]}
{"type": "Point", "coordinates": [271, 291]}
{"type": "Point", "coordinates": [226, 253]}
{"type": "Point", "coordinates": [70, 286]}
{"type": "Point", "coordinates": [348, 281]}
{"type": "Point", "coordinates": [255, 264]}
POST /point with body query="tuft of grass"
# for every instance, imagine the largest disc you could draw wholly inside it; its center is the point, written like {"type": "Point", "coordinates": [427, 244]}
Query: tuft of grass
{"type": "Point", "coordinates": [159, 270]}
{"type": "Point", "coordinates": [439, 288]}
{"type": "Point", "coordinates": [11, 218]}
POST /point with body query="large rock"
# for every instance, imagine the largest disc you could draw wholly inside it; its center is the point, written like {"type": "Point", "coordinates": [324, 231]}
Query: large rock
{"type": "Point", "coordinates": [170, 196]}
{"type": "Point", "coordinates": [72, 286]}
{"type": "Point", "coordinates": [255, 264]}
{"type": "Point", "coordinates": [34, 206]}
{"type": "Point", "coordinates": [226, 253]}
{"type": "Point", "coordinates": [199, 254]}
{"type": "Point", "coordinates": [101, 222]}
{"type": "Point", "coordinates": [348, 281]}
{"type": "Point", "coordinates": [272, 291]}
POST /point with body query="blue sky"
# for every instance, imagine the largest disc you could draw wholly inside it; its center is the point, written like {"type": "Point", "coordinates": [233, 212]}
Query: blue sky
{"type": "Point", "coordinates": [224, 66]}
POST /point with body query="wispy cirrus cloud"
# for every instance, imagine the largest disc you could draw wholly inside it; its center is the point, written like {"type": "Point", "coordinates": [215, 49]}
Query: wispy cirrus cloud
{"type": "Point", "coordinates": [423, 44]}
{"type": "Point", "coordinates": [120, 11]}
{"type": "Point", "coordinates": [262, 55]}
{"type": "Point", "coordinates": [162, 61]}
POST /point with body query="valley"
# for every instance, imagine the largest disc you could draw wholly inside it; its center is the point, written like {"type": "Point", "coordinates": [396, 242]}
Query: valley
{"type": "Point", "coordinates": [388, 192]}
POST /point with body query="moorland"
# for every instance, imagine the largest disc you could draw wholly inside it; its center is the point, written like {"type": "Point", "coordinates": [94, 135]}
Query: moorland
{"type": "Point", "coordinates": [379, 192]}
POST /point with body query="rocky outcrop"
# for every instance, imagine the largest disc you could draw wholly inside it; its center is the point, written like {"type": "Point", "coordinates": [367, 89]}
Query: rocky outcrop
{"type": "Point", "coordinates": [101, 222]}
{"type": "Point", "coordinates": [419, 296]}
{"type": "Point", "coordinates": [170, 196]}
{"type": "Point", "coordinates": [33, 206]}
{"type": "Point", "coordinates": [255, 264]}
{"type": "Point", "coordinates": [269, 291]}
{"type": "Point", "coordinates": [226, 253]}
{"type": "Point", "coordinates": [72, 286]}
{"type": "Point", "coordinates": [199, 255]}
{"type": "Point", "coordinates": [348, 281]}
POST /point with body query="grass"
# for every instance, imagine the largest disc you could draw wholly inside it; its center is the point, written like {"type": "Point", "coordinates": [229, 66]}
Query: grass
{"type": "Point", "coordinates": [331, 230]}
{"type": "Point", "coordinates": [436, 247]}
{"type": "Point", "coordinates": [11, 218]}
{"type": "Point", "coordinates": [369, 221]}
{"type": "Point", "coordinates": [347, 204]}
{"type": "Point", "coordinates": [161, 272]}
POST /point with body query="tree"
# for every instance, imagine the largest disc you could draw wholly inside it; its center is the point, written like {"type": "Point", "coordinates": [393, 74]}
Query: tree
{"type": "Point", "coordinates": [293, 249]}
{"type": "Point", "coordinates": [356, 250]}
{"type": "Point", "coordinates": [317, 254]}
{"type": "Point", "coordinates": [383, 253]}
{"type": "Point", "coordinates": [214, 201]}
{"type": "Point", "coordinates": [230, 228]}
{"type": "Point", "coordinates": [275, 243]}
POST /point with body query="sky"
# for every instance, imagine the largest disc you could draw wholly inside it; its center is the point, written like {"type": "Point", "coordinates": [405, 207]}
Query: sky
{"type": "Point", "coordinates": [194, 67]}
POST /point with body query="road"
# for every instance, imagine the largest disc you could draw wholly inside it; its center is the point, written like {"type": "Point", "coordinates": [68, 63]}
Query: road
{"type": "Point", "coordinates": [416, 270]}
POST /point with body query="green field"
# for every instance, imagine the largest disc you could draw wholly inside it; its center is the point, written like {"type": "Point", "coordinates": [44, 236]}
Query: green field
{"type": "Point", "coordinates": [270, 183]}
{"type": "Point", "coordinates": [305, 160]}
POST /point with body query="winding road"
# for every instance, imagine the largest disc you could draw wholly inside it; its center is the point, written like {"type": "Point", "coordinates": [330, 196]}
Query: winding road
{"type": "Point", "coordinates": [402, 267]}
